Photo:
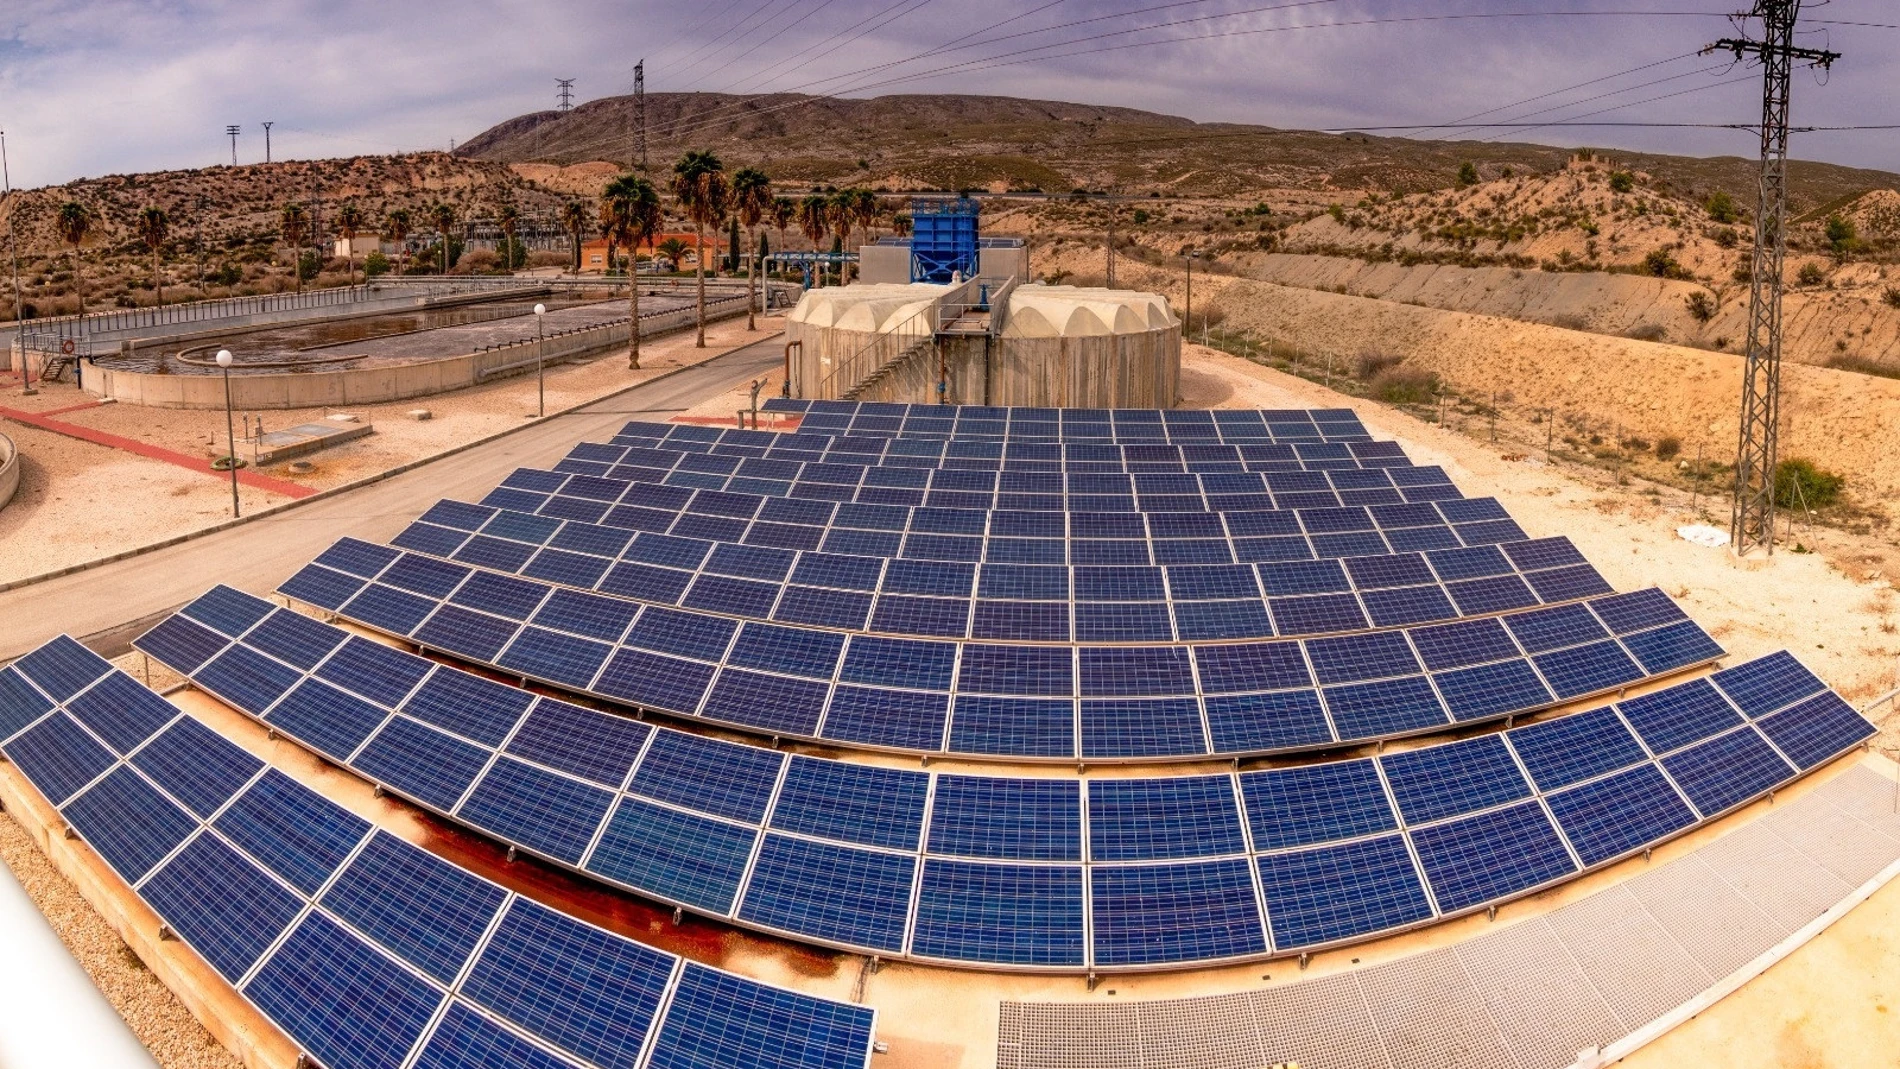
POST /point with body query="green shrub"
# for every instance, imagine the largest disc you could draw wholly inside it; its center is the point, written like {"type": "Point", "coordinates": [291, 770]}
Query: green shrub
{"type": "Point", "coordinates": [1811, 274]}
{"type": "Point", "coordinates": [308, 264]}
{"type": "Point", "coordinates": [1369, 364]}
{"type": "Point", "coordinates": [1701, 306]}
{"type": "Point", "coordinates": [1842, 237]}
{"type": "Point", "coordinates": [1668, 447]}
{"type": "Point", "coordinates": [375, 265]}
{"type": "Point", "coordinates": [1402, 386]}
{"type": "Point", "coordinates": [1622, 181]}
{"type": "Point", "coordinates": [1799, 482]}
{"type": "Point", "coordinates": [1467, 175]}
{"type": "Point", "coordinates": [1338, 212]}
{"type": "Point", "coordinates": [1892, 296]}
{"type": "Point", "coordinates": [1727, 238]}
{"type": "Point", "coordinates": [1661, 264]}
{"type": "Point", "coordinates": [1141, 216]}
{"type": "Point", "coordinates": [1721, 208]}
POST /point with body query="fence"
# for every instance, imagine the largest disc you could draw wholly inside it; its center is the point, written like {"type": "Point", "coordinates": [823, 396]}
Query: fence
{"type": "Point", "coordinates": [128, 319]}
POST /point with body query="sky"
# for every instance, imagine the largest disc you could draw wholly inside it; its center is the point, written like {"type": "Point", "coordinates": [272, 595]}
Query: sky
{"type": "Point", "coordinates": [91, 87]}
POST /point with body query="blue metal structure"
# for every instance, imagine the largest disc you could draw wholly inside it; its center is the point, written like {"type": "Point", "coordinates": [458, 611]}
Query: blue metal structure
{"type": "Point", "coordinates": [944, 239]}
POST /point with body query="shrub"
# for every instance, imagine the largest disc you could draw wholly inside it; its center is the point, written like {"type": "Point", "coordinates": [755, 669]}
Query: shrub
{"type": "Point", "coordinates": [1338, 212]}
{"type": "Point", "coordinates": [1141, 216]}
{"type": "Point", "coordinates": [1721, 207]}
{"type": "Point", "coordinates": [1668, 447]}
{"type": "Point", "coordinates": [1402, 386]}
{"type": "Point", "coordinates": [375, 265]}
{"type": "Point", "coordinates": [1892, 296]}
{"type": "Point", "coordinates": [1811, 274]}
{"type": "Point", "coordinates": [1467, 175]}
{"type": "Point", "coordinates": [1842, 237]}
{"type": "Point", "coordinates": [1648, 332]}
{"type": "Point", "coordinates": [1799, 482]}
{"type": "Point", "coordinates": [1701, 306]}
{"type": "Point", "coordinates": [1661, 264]}
{"type": "Point", "coordinates": [308, 264]}
{"type": "Point", "coordinates": [229, 274]}
{"type": "Point", "coordinates": [1369, 364]}
{"type": "Point", "coordinates": [1622, 181]}
{"type": "Point", "coordinates": [1727, 237]}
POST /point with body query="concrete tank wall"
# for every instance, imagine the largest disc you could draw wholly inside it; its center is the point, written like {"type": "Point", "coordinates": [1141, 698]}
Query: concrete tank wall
{"type": "Point", "coordinates": [9, 469]}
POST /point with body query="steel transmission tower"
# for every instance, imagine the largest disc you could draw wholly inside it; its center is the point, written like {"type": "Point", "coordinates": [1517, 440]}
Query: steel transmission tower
{"type": "Point", "coordinates": [1752, 524]}
{"type": "Point", "coordinates": [640, 114]}
{"type": "Point", "coordinates": [566, 86]}
{"type": "Point", "coordinates": [267, 127]}
{"type": "Point", "coordinates": [232, 131]}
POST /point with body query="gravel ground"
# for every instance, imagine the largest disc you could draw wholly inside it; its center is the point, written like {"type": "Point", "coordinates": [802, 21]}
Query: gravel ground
{"type": "Point", "coordinates": [79, 501]}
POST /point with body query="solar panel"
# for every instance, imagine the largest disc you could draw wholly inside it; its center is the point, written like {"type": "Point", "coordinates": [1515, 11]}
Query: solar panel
{"type": "Point", "coordinates": [62, 668]}
{"type": "Point", "coordinates": [419, 762]}
{"type": "Point", "coordinates": [1156, 819]}
{"type": "Point", "coordinates": [179, 642]}
{"type": "Point", "coordinates": [1180, 911]}
{"type": "Point", "coordinates": [1762, 686]}
{"type": "Point", "coordinates": [128, 822]}
{"type": "Point", "coordinates": [1293, 807]}
{"type": "Point", "coordinates": [829, 892]}
{"type": "Point", "coordinates": [59, 756]}
{"type": "Point", "coordinates": [316, 983]}
{"type": "Point", "coordinates": [1673, 718]}
{"type": "Point", "coordinates": [1335, 893]}
{"type": "Point", "coordinates": [220, 904]}
{"type": "Point", "coordinates": [852, 803]}
{"type": "Point", "coordinates": [415, 905]}
{"type": "Point", "coordinates": [593, 745]}
{"type": "Point", "coordinates": [971, 911]}
{"type": "Point", "coordinates": [120, 712]}
{"type": "Point", "coordinates": [1620, 814]}
{"type": "Point", "coordinates": [1455, 778]}
{"type": "Point", "coordinates": [718, 1019]}
{"type": "Point", "coordinates": [1569, 749]}
{"type": "Point", "coordinates": [464, 1039]}
{"type": "Point", "coordinates": [678, 856]}
{"type": "Point", "coordinates": [1491, 856]}
{"type": "Point", "coordinates": [1817, 730]}
{"type": "Point", "coordinates": [547, 813]}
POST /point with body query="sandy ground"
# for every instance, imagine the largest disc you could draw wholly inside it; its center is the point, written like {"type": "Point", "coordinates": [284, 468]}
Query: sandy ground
{"type": "Point", "coordinates": [79, 501]}
{"type": "Point", "coordinates": [1828, 1006]}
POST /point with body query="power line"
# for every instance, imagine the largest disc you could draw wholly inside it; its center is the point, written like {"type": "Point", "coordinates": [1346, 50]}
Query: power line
{"type": "Point", "coordinates": [1573, 88]}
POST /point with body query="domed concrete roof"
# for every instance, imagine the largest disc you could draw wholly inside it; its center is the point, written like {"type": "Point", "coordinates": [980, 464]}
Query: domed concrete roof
{"type": "Point", "coordinates": [867, 308]}
{"type": "Point", "coordinates": [1039, 311]}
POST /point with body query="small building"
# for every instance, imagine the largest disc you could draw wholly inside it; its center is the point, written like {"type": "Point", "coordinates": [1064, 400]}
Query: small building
{"type": "Point", "coordinates": [359, 246]}
{"type": "Point", "coordinates": [594, 252]}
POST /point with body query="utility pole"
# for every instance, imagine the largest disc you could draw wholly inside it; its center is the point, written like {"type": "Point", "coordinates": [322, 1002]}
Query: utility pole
{"type": "Point", "coordinates": [267, 127]}
{"type": "Point", "coordinates": [1752, 522]}
{"type": "Point", "coordinates": [1111, 241]}
{"type": "Point", "coordinates": [13, 248]}
{"type": "Point", "coordinates": [232, 132]}
{"type": "Point", "coordinates": [566, 93]}
{"type": "Point", "coordinates": [640, 114]}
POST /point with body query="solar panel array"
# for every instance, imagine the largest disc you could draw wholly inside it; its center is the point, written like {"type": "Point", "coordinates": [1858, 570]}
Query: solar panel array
{"type": "Point", "coordinates": [1025, 702]}
{"type": "Point", "coordinates": [367, 951]}
{"type": "Point", "coordinates": [1049, 874]}
{"type": "Point", "coordinates": [978, 422]}
{"type": "Point", "coordinates": [1023, 588]}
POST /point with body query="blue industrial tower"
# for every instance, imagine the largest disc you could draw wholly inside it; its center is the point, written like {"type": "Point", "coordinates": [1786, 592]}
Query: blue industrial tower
{"type": "Point", "coordinates": [943, 239]}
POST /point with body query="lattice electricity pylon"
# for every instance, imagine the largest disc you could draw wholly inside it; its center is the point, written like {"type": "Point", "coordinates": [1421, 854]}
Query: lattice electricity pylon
{"type": "Point", "coordinates": [1752, 523]}
{"type": "Point", "coordinates": [640, 114]}
{"type": "Point", "coordinates": [564, 92]}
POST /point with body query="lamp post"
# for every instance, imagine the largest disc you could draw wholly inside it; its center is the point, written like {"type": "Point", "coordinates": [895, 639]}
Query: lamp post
{"type": "Point", "coordinates": [540, 363]}
{"type": "Point", "coordinates": [230, 433]}
{"type": "Point", "coordinates": [1188, 325]}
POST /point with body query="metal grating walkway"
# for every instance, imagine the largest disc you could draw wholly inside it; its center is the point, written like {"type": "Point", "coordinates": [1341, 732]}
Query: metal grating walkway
{"type": "Point", "coordinates": [1528, 996]}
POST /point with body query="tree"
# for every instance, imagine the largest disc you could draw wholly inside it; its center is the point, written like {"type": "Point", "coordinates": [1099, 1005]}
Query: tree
{"type": "Point", "coordinates": [154, 227]}
{"type": "Point", "coordinates": [1467, 175]}
{"type": "Point", "coordinates": [901, 224]}
{"type": "Point", "coordinates": [574, 220]}
{"type": "Point", "coordinates": [751, 200]}
{"type": "Point", "coordinates": [630, 213]}
{"type": "Point", "coordinates": [868, 210]}
{"type": "Point", "coordinates": [1842, 235]}
{"type": "Point", "coordinates": [294, 225]}
{"type": "Point", "coordinates": [74, 222]}
{"type": "Point", "coordinates": [349, 220]}
{"type": "Point", "coordinates": [842, 212]}
{"type": "Point", "coordinates": [699, 181]}
{"type": "Point", "coordinates": [784, 211]}
{"type": "Point", "coordinates": [442, 214]}
{"type": "Point", "coordinates": [396, 227]}
{"type": "Point", "coordinates": [508, 220]}
{"type": "Point", "coordinates": [675, 250]}
{"type": "Point", "coordinates": [732, 244]}
{"type": "Point", "coordinates": [814, 221]}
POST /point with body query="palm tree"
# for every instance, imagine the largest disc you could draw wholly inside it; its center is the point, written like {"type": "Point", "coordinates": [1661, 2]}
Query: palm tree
{"type": "Point", "coordinates": [442, 214]}
{"type": "Point", "coordinates": [74, 222]}
{"type": "Point", "coordinates": [784, 211]}
{"type": "Point", "coordinates": [814, 221]}
{"type": "Point", "coordinates": [842, 210]}
{"type": "Point", "coordinates": [349, 219]}
{"type": "Point", "coordinates": [295, 226]}
{"type": "Point", "coordinates": [630, 213]}
{"type": "Point", "coordinates": [154, 227]}
{"type": "Point", "coordinates": [508, 219]}
{"type": "Point", "coordinates": [699, 181]}
{"type": "Point", "coordinates": [868, 209]}
{"type": "Point", "coordinates": [396, 227]}
{"type": "Point", "coordinates": [751, 199]}
{"type": "Point", "coordinates": [673, 249]}
{"type": "Point", "coordinates": [574, 220]}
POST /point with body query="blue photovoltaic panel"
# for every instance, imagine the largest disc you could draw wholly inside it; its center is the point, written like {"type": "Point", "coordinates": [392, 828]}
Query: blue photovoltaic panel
{"type": "Point", "coordinates": [716, 777]}
{"type": "Point", "coordinates": [716, 1020]}
{"type": "Point", "coordinates": [20, 703]}
{"type": "Point", "coordinates": [549, 814]}
{"type": "Point", "coordinates": [832, 893]}
{"type": "Point", "coordinates": [679, 856]}
{"type": "Point", "coordinates": [357, 557]}
{"type": "Point", "coordinates": [180, 643]}
{"type": "Point", "coordinates": [294, 831]}
{"type": "Point", "coordinates": [121, 712]}
{"type": "Point", "coordinates": [593, 745]}
{"type": "Point", "coordinates": [417, 906]}
{"type": "Point", "coordinates": [317, 585]}
{"type": "Point", "coordinates": [1352, 658]}
{"type": "Point", "coordinates": [1182, 911]}
{"type": "Point", "coordinates": [1669, 648]}
{"type": "Point", "coordinates": [322, 716]}
{"type": "Point", "coordinates": [1491, 856]}
{"type": "Point", "coordinates": [469, 706]}
{"type": "Point", "coordinates": [910, 720]}
{"type": "Point", "coordinates": [658, 682]}
{"type": "Point", "coordinates": [1034, 727]}
{"type": "Point", "coordinates": [1590, 669]}
{"type": "Point", "coordinates": [1674, 718]}
{"type": "Point", "coordinates": [246, 679]}
{"type": "Point", "coordinates": [293, 638]}
{"type": "Point", "coordinates": [1388, 707]}
{"type": "Point", "coordinates": [1459, 645]}
{"type": "Point", "coordinates": [316, 985]}
{"type": "Point", "coordinates": [1816, 730]}
{"type": "Point", "coordinates": [375, 671]}
{"type": "Point", "coordinates": [196, 765]}
{"type": "Point", "coordinates": [225, 907]}
{"type": "Point", "coordinates": [1435, 782]}
{"type": "Point", "coordinates": [1332, 893]}
{"type": "Point", "coordinates": [1142, 727]}
{"type": "Point", "coordinates": [1490, 689]}
{"type": "Point", "coordinates": [1762, 686]}
{"type": "Point", "coordinates": [465, 633]}
{"type": "Point", "coordinates": [1290, 807]}
{"type": "Point", "coordinates": [227, 610]}
{"type": "Point", "coordinates": [1156, 819]}
{"type": "Point", "coordinates": [1000, 914]}
{"type": "Point", "coordinates": [468, 1040]}
{"type": "Point", "coordinates": [1637, 610]}
{"type": "Point", "coordinates": [1620, 814]}
{"type": "Point", "coordinates": [62, 667]}
{"type": "Point", "coordinates": [582, 988]}
{"type": "Point", "coordinates": [130, 824]}
{"type": "Point", "coordinates": [852, 803]}
{"type": "Point", "coordinates": [58, 756]}
{"type": "Point", "coordinates": [388, 609]}
{"type": "Point", "coordinates": [1574, 748]}
{"type": "Point", "coordinates": [420, 762]}
{"type": "Point", "coordinates": [1549, 629]}
{"type": "Point", "coordinates": [1007, 818]}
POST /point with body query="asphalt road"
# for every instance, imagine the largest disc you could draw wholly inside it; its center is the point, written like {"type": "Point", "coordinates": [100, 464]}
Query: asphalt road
{"type": "Point", "coordinates": [107, 606]}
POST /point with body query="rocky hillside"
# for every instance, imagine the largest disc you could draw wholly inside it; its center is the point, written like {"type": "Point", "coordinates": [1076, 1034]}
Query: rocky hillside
{"type": "Point", "coordinates": [920, 142]}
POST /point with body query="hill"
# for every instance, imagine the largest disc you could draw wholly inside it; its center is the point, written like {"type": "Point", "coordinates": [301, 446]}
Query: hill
{"type": "Point", "coordinates": [921, 142]}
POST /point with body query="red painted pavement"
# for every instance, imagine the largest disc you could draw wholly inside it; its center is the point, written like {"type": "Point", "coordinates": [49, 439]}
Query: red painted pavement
{"type": "Point", "coordinates": [151, 452]}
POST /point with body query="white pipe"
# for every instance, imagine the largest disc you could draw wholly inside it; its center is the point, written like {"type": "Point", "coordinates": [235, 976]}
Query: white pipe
{"type": "Point", "coordinates": [51, 1015]}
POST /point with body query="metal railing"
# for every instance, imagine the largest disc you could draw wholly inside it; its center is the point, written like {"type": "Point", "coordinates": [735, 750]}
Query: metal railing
{"type": "Point", "coordinates": [889, 346]}
{"type": "Point", "coordinates": [577, 340]}
{"type": "Point", "coordinates": [999, 305]}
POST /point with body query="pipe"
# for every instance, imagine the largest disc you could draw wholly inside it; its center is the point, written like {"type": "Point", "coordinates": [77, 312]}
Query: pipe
{"type": "Point", "coordinates": [51, 1015]}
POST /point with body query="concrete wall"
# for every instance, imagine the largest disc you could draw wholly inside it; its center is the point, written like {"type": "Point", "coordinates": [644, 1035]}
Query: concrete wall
{"type": "Point", "coordinates": [1001, 263]}
{"type": "Point", "coordinates": [375, 385]}
{"type": "Point", "coordinates": [884, 264]}
{"type": "Point", "coordinates": [9, 469]}
{"type": "Point", "coordinates": [1116, 371]}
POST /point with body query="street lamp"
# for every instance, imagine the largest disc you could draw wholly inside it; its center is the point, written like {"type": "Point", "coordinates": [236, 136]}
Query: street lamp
{"type": "Point", "coordinates": [540, 363]}
{"type": "Point", "coordinates": [230, 433]}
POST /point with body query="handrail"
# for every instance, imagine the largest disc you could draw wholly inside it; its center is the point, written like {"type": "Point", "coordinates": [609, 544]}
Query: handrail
{"type": "Point", "coordinates": [890, 345]}
{"type": "Point", "coordinates": [999, 305]}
